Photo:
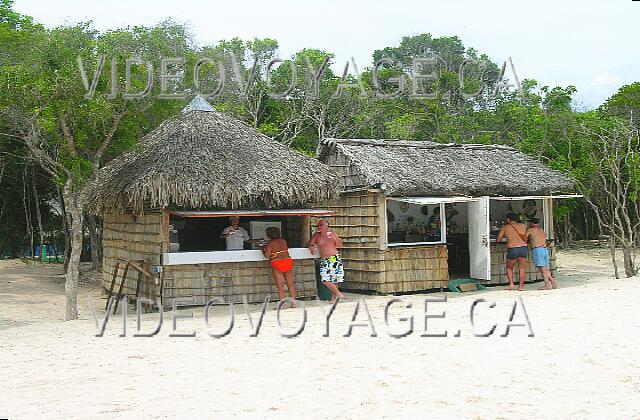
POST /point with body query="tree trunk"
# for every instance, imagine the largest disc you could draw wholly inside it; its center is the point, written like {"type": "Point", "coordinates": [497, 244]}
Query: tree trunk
{"type": "Point", "coordinates": [4, 201]}
{"type": "Point", "coordinates": [72, 278]}
{"type": "Point", "coordinates": [94, 239]}
{"type": "Point", "coordinates": [627, 255]}
{"type": "Point", "coordinates": [65, 230]}
{"type": "Point", "coordinates": [27, 212]}
{"type": "Point", "coordinates": [612, 249]}
{"type": "Point", "coordinates": [4, 205]}
{"type": "Point", "coordinates": [36, 200]}
{"type": "Point", "coordinates": [67, 241]}
{"type": "Point", "coordinates": [565, 232]}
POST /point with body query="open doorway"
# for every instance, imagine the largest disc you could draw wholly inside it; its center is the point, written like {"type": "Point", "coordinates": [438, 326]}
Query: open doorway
{"type": "Point", "coordinates": [457, 226]}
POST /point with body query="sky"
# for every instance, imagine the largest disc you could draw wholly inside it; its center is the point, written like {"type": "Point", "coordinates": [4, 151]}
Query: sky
{"type": "Point", "coordinates": [588, 44]}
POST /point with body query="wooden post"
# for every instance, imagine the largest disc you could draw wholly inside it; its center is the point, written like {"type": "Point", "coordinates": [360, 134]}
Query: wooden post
{"type": "Point", "coordinates": [306, 230]}
{"type": "Point", "coordinates": [138, 284]}
{"type": "Point", "coordinates": [551, 235]}
{"type": "Point", "coordinates": [119, 295]}
{"type": "Point", "coordinates": [164, 248]}
{"type": "Point", "coordinates": [549, 216]}
{"type": "Point", "coordinates": [382, 220]}
{"type": "Point", "coordinates": [113, 282]}
{"type": "Point", "coordinates": [165, 232]}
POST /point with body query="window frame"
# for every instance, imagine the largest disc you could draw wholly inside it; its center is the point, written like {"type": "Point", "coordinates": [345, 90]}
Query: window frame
{"type": "Point", "coordinates": [442, 201]}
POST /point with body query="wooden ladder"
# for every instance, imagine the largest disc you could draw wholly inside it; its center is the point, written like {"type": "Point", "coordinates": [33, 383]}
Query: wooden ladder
{"type": "Point", "coordinates": [142, 273]}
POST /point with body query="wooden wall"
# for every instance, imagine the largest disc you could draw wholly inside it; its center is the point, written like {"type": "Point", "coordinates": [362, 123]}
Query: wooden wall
{"type": "Point", "coordinates": [361, 222]}
{"type": "Point", "coordinates": [292, 231]}
{"type": "Point", "coordinates": [134, 238]}
{"type": "Point", "coordinates": [358, 223]}
{"type": "Point", "coordinates": [140, 238]}
{"type": "Point", "coordinates": [499, 269]}
{"type": "Point", "coordinates": [230, 281]}
{"type": "Point", "coordinates": [415, 268]}
{"type": "Point", "coordinates": [350, 175]}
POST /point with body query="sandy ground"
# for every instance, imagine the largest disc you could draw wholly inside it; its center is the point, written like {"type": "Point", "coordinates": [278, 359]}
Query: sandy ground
{"type": "Point", "coordinates": [583, 361]}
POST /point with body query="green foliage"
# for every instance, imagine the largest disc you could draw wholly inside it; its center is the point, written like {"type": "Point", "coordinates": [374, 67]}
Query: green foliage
{"type": "Point", "coordinates": [40, 79]}
{"type": "Point", "coordinates": [624, 104]}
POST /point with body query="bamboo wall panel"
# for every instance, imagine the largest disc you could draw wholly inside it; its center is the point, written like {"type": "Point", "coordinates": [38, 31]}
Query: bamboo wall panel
{"type": "Point", "coordinates": [368, 265]}
{"type": "Point", "coordinates": [292, 231]}
{"type": "Point", "coordinates": [410, 269]}
{"type": "Point", "coordinates": [358, 224]}
{"type": "Point", "coordinates": [132, 238]}
{"type": "Point", "coordinates": [356, 220]}
{"type": "Point", "coordinates": [350, 175]}
{"type": "Point", "coordinates": [230, 281]}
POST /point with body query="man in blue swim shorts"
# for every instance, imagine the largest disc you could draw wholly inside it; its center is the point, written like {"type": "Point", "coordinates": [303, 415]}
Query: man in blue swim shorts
{"type": "Point", "coordinates": [540, 252]}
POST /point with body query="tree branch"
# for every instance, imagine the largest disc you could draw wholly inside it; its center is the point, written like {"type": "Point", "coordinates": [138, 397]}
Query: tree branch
{"type": "Point", "coordinates": [97, 159]}
{"type": "Point", "coordinates": [68, 136]}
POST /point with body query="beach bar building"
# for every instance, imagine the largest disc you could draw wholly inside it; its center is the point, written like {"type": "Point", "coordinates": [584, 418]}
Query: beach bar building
{"type": "Point", "coordinates": [391, 190]}
{"type": "Point", "coordinates": [165, 203]}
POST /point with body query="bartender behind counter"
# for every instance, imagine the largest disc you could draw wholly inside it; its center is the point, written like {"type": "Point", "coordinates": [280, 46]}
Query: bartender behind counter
{"type": "Point", "coordinates": [235, 235]}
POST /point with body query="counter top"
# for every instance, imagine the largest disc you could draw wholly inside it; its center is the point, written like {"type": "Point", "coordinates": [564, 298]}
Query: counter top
{"type": "Point", "coordinates": [213, 257]}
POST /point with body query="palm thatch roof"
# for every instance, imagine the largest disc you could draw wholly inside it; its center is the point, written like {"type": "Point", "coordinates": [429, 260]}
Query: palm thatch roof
{"type": "Point", "coordinates": [204, 159]}
{"type": "Point", "coordinates": [413, 168]}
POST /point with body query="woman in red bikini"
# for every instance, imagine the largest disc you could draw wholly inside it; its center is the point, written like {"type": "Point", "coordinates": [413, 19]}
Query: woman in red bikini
{"type": "Point", "coordinates": [281, 263]}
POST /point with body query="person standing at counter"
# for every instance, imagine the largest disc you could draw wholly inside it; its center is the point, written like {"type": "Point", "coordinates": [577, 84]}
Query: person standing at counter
{"type": "Point", "coordinates": [450, 213]}
{"type": "Point", "coordinates": [433, 225]}
{"type": "Point", "coordinates": [235, 235]}
{"type": "Point", "coordinates": [517, 249]}
{"type": "Point", "coordinates": [538, 239]}
{"type": "Point", "coordinates": [331, 267]}
{"type": "Point", "coordinates": [277, 251]}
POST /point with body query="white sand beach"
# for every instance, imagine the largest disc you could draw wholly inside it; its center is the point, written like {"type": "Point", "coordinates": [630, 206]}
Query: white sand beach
{"type": "Point", "coordinates": [583, 361]}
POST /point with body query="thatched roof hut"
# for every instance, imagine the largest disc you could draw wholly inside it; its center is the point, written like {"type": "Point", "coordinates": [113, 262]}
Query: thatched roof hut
{"type": "Point", "coordinates": [414, 168]}
{"type": "Point", "coordinates": [414, 213]}
{"type": "Point", "coordinates": [206, 159]}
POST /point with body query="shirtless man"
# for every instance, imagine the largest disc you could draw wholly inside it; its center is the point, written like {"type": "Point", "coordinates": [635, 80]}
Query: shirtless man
{"type": "Point", "coordinates": [331, 267]}
{"type": "Point", "coordinates": [538, 239]}
{"type": "Point", "coordinates": [517, 249]}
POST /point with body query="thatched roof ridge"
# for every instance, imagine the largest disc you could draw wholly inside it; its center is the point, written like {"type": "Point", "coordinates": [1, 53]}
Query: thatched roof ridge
{"type": "Point", "coordinates": [406, 168]}
{"type": "Point", "coordinates": [203, 159]}
{"type": "Point", "coordinates": [414, 144]}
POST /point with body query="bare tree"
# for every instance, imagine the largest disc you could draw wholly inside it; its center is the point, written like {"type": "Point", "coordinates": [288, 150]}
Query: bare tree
{"type": "Point", "coordinates": [47, 155]}
{"type": "Point", "coordinates": [613, 191]}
